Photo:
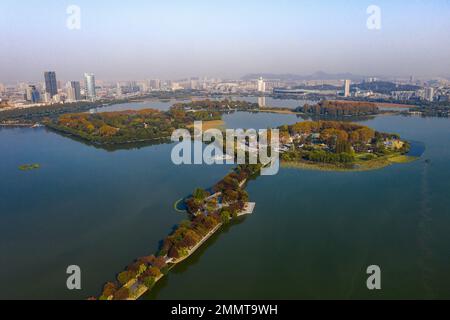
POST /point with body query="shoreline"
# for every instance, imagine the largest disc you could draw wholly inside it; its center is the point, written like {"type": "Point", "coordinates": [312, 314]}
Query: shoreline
{"type": "Point", "coordinates": [369, 165]}
{"type": "Point", "coordinates": [141, 289]}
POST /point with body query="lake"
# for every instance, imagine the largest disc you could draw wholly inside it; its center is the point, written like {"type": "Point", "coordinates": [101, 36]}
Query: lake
{"type": "Point", "coordinates": [164, 105]}
{"type": "Point", "coordinates": [312, 236]}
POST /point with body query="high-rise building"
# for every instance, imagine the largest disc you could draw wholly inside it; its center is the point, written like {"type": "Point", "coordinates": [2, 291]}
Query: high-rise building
{"type": "Point", "coordinates": [33, 94]}
{"type": "Point", "coordinates": [51, 85]}
{"type": "Point", "coordinates": [89, 79]}
{"type": "Point", "coordinates": [261, 85]}
{"type": "Point", "coordinates": [144, 86]}
{"type": "Point", "coordinates": [74, 91]}
{"type": "Point", "coordinates": [118, 89]}
{"type": "Point", "coordinates": [155, 84]}
{"type": "Point", "coordinates": [194, 84]}
{"type": "Point", "coordinates": [46, 97]}
{"type": "Point", "coordinates": [347, 88]}
{"type": "Point", "coordinates": [429, 94]}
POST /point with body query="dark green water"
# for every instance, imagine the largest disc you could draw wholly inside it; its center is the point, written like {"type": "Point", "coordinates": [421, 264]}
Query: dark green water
{"type": "Point", "coordinates": [85, 206]}
{"type": "Point", "coordinates": [312, 235]}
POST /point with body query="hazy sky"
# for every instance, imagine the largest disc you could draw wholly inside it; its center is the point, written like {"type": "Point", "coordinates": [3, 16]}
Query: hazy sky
{"type": "Point", "coordinates": [137, 39]}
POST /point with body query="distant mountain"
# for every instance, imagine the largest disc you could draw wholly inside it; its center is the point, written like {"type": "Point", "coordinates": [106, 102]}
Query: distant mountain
{"type": "Point", "coordinates": [320, 75]}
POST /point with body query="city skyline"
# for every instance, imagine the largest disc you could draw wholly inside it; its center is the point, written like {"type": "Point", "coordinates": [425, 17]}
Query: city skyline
{"type": "Point", "coordinates": [226, 40]}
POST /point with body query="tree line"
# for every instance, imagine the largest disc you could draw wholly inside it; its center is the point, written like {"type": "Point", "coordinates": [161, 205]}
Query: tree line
{"type": "Point", "coordinates": [340, 108]}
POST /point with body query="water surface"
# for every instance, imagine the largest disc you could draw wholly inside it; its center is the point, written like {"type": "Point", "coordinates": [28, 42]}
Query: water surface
{"type": "Point", "coordinates": [312, 235]}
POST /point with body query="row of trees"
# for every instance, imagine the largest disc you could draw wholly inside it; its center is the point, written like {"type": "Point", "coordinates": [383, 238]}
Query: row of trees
{"type": "Point", "coordinates": [146, 270]}
{"type": "Point", "coordinates": [343, 131]}
{"type": "Point", "coordinates": [206, 210]}
{"type": "Point", "coordinates": [216, 105]}
{"type": "Point", "coordinates": [340, 108]}
{"type": "Point", "coordinates": [188, 234]}
{"type": "Point", "coordinates": [321, 156]}
{"type": "Point", "coordinates": [329, 157]}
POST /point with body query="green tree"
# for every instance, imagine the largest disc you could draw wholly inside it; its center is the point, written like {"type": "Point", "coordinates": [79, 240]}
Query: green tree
{"type": "Point", "coordinates": [149, 282]}
{"type": "Point", "coordinates": [124, 277]}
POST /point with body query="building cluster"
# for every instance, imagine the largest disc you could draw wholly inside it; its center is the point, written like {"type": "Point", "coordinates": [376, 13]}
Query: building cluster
{"type": "Point", "coordinates": [52, 91]}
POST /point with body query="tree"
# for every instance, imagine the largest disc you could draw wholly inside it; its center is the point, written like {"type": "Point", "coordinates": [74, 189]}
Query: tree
{"type": "Point", "coordinates": [142, 269]}
{"type": "Point", "coordinates": [230, 196]}
{"type": "Point", "coordinates": [125, 277]}
{"type": "Point", "coordinates": [122, 294]}
{"type": "Point", "coordinates": [190, 239]}
{"type": "Point", "coordinates": [200, 194]}
{"type": "Point", "coordinates": [159, 262]}
{"type": "Point", "coordinates": [109, 289]}
{"type": "Point", "coordinates": [107, 131]}
{"type": "Point", "coordinates": [149, 282]}
{"type": "Point", "coordinates": [173, 253]}
{"type": "Point", "coordinates": [153, 272]}
{"type": "Point", "coordinates": [365, 134]}
{"type": "Point", "coordinates": [343, 146]}
{"type": "Point", "coordinates": [225, 216]}
{"type": "Point", "coordinates": [148, 260]}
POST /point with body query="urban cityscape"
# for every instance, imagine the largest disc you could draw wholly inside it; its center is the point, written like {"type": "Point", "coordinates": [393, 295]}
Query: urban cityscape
{"type": "Point", "coordinates": [54, 91]}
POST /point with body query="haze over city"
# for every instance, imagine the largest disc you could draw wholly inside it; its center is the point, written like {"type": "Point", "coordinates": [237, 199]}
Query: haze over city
{"type": "Point", "coordinates": [228, 39]}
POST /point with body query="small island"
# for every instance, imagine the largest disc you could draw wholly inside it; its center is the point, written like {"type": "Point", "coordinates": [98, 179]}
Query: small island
{"type": "Point", "coordinates": [29, 167]}
{"type": "Point", "coordinates": [340, 146]}
{"type": "Point", "coordinates": [147, 125]}
{"type": "Point", "coordinates": [122, 127]}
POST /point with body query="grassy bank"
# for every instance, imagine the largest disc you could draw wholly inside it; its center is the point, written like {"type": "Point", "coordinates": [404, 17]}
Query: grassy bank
{"type": "Point", "coordinates": [360, 165]}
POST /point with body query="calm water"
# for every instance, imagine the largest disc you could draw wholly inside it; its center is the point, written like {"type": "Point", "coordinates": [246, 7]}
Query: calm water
{"type": "Point", "coordinates": [166, 104]}
{"type": "Point", "coordinates": [85, 206]}
{"type": "Point", "coordinates": [163, 105]}
{"type": "Point", "coordinates": [312, 235]}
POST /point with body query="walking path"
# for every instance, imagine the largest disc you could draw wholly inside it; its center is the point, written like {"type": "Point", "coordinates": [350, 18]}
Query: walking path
{"type": "Point", "coordinates": [138, 289]}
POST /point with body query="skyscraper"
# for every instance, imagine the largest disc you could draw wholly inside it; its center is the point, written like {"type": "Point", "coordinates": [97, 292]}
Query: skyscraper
{"type": "Point", "coordinates": [347, 88]}
{"type": "Point", "coordinates": [429, 94]}
{"type": "Point", "coordinates": [118, 89]}
{"type": "Point", "coordinates": [89, 79]}
{"type": "Point", "coordinates": [155, 84]}
{"type": "Point", "coordinates": [33, 94]}
{"type": "Point", "coordinates": [74, 91]}
{"type": "Point", "coordinates": [51, 86]}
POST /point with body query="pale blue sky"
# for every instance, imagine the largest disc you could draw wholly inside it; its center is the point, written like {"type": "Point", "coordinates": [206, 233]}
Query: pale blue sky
{"type": "Point", "coordinates": [139, 39]}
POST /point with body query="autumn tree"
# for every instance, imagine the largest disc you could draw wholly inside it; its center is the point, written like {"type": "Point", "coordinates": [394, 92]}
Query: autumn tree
{"type": "Point", "coordinates": [122, 294]}
{"type": "Point", "coordinates": [124, 277]}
